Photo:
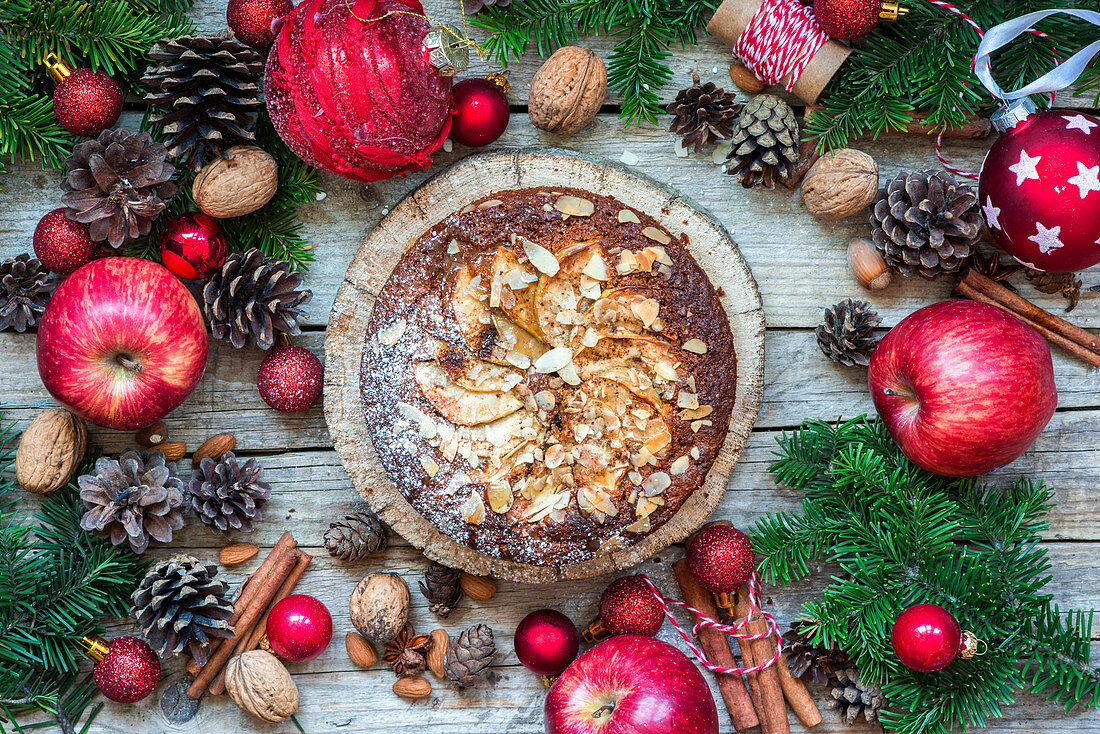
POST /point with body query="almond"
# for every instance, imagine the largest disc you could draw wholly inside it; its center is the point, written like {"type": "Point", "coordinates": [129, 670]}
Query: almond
{"type": "Point", "coordinates": [235, 553]}
{"type": "Point", "coordinates": [437, 653]}
{"type": "Point", "coordinates": [478, 588]}
{"type": "Point", "coordinates": [214, 448]}
{"type": "Point", "coordinates": [172, 450]}
{"type": "Point", "coordinates": [413, 687]}
{"type": "Point", "coordinates": [360, 651]}
{"type": "Point", "coordinates": [152, 435]}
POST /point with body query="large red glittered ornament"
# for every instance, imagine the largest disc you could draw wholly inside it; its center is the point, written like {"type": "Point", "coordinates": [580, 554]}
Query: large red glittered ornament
{"type": "Point", "coordinates": [290, 379]}
{"type": "Point", "coordinates": [251, 20]}
{"type": "Point", "coordinates": [546, 642]}
{"type": "Point", "coordinates": [480, 112]}
{"type": "Point", "coordinates": [927, 638]}
{"type": "Point", "coordinates": [193, 246]}
{"type": "Point", "coordinates": [63, 245]}
{"type": "Point", "coordinates": [126, 670]}
{"type": "Point", "coordinates": [298, 628]}
{"type": "Point", "coordinates": [720, 558]}
{"type": "Point", "coordinates": [1040, 188]}
{"type": "Point", "coordinates": [356, 93]}
{"type": "Point", "coordinates": [847, 20]}
{"type": "Point", "coordinates": [86, 102]}
{"type": "Point", "coordinates": [628, 606]}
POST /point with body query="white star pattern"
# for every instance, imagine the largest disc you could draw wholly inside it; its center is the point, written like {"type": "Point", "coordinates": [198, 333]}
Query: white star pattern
{"type": "Point", "coordinates": [992, 213]}
{"type": "Point", "coordinates": [1086, 180]}
{"type": "Point", "coordinates": [1079, 122]}
{"type": "Point", "coordinates": [1047, 239]}
{"type": "Point", "coordinates": [1025, 167]}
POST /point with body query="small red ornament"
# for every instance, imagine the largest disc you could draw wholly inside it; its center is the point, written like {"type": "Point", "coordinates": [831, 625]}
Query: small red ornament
{"type": "Point", "coordinates": [480, 110]}
{"type": "Point", "coordinates": [193, 246]}
{"type": "Point", "coordinates": [927, 638]}
{"type": "Point", "coordinates": [627, 607]}
{"type": "Point", "coordinates": [298, 628]}
{"type": "Point", "coordinates": [126, 668]}
{"type": "Point", "coordinates": [251, 20]}
{"type": "Point", "coordinates": [290, 378]}
{"type": "Point", "coordinates": [62, 244]}
{"type": "Point", "coordinates": [848, 20]}
{"type": "Point", "coordinates": [546, 642]}
{"type": "Point", "coordinates": [721, 559]}
{"type": "Point", "coordinates": [1040, 187]}
{"type": "Point", "coordinates": [85, 102]}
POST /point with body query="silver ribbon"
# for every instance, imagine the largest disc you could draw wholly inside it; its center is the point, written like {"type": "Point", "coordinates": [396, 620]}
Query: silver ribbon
{"type": "Point", "coordinates": [1059, 77]}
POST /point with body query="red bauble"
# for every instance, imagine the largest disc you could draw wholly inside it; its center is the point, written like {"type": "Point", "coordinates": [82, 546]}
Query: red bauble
{"type": "Point", "coordinates": [546, 642]}
{"type": "Point", "coordinates": [87, 102]}
{"type": "Point", "coordinates": [290, 379]}
{"type": "Point", "coordinates": [356, 96]}
{"type": "Point", "coordinates": [193, 246]}
{"type": "Point", "coordinates": [720, 558]}
{"type": "Point", "coordinates": [1040, 191]}
{"type": "Point", "coordinates": [251, 20]}
{"type": "Point", "coordinates": [298, 628]}
{"type": "Point", "coordinates": [127, 671]}
{"type": "Point", "coordinates": [847, 19]}
{"type": "Point", "coordinates": [480, 112]}
{"type": "Point", "coordinates": [62, 244]}
{"type": "Point", "coordinates": [628, 607]}
{"type": "Point", "coordinates": [926, 638]}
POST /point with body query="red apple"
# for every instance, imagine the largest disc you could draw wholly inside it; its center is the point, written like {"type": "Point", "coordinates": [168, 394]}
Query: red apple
{"type": "Point", "coordinates": [964, 387]}
{"type": "Point", "coordinates": [122, 343]}
{"type": "Point", "coordinates": [628, 685]}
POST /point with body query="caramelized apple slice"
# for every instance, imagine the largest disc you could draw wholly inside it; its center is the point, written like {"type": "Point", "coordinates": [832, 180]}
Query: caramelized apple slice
{"type": "Point", "coordinates": [512, 289]}
{"type": "Point", "coordinates": [476, 375]}
{"type": "Point", "coordinates": [460, 406]}
{"type": "Point", "coordinates": [468, 304]}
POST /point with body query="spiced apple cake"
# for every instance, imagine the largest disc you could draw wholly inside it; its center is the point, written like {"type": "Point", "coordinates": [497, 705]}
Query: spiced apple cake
{"type": "Point", "coordinates": [548, 375]}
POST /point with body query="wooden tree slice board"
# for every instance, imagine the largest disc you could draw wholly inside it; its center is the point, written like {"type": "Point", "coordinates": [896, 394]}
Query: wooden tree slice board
{"type": "Point", "coordinates": [480, 175]}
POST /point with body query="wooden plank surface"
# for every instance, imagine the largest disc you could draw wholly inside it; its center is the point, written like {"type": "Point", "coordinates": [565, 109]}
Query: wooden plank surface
{"type": "Point", "coordinates": [799, 264]}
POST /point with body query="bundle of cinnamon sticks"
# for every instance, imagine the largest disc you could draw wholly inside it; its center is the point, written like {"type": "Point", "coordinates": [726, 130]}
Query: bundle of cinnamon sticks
{"type": "Point", "coordinates": [272, 582]}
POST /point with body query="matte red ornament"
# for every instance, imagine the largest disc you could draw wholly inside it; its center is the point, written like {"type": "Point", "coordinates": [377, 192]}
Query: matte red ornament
{"type": "Point", "coordinates": [193, 246]}
{"type": "Point", "coordinates": [720, 558]}
{"type": "Point", "coordinates": [252, 20]}
{"type": "Point", "coordinates": [926, 638]}
{"type": "Point", "coordinates": [290, 379]}
{"type": "Point", "coordinates": [628, 607]}
{"type": "Point", "coordinates": [87, 102]}
{"type": "Point", "coordinates": [480, 112]}
{"type": "Point", "coordinates": [1040, 191]}
{"type": "Point", "coordinates": [62, 244]}
{"type": "Point", "coordinates": [126, 670]}
{"type": "Point", "coordinates": [298, 628]}
{"type": "Point", "coordinates": [546, 642]}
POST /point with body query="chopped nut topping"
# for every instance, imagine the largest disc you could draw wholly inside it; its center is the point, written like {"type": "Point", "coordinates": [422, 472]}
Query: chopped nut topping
{"type": "Point", "coordinates": [697, 425]}
{"type": "Point", "coordinates": [657, 235]}
{"type": "Point", "coordinates": [554, 360]}
{"type": "Point", "coordinates": [694, 452]}
{"type": "Point", "coordinates": [392, 333]}
{"type": "Point", "coordinates": [627, 263]}
{"type": "Point", "coordinates": [665, 371]}
{"type": "Point", "coordinates": [543, 260]}
{"type": "Point", "coordinates": [646, 310]}
{"type": "Point", "coordinates": [688, 400]}
{"type": "Point", "coordinates": [626, 215]}
{"type": "Point", "coordinates": [545, 399]}
{"type": "Point", "coordinates": [574, 206]}
{"type": "Point", "coordinates": [596, 268]}
{"type": "Point", "coordinates": [554, 456]}
{"type": "Point", "coordinates": [701, 412]}
{"type": "Point", "coordinates": [500, 497]}
{"type": "Point", "coordinates": [680, 465]}
{"type": "Point", "coordinates": [473, 509]}
{"type": "Point", "coordinates": [489, 204]}
{"type": "Point", "coordinates": [695, 346]}
{"type": "Point", "coordinates": [429, 465]}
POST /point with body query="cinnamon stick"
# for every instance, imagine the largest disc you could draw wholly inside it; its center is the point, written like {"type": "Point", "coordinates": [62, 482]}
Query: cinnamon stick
{"type": "Point", "coordinates": [798, 698]}
{"type": "Point", "coordinates": [732, 687]}
{"type": "Point", "coordinates": [767, 693]}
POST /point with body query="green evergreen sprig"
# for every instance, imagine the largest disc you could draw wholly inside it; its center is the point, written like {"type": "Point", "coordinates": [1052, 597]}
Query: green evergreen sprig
{"type": "Point", "coordinates": [903, 536]}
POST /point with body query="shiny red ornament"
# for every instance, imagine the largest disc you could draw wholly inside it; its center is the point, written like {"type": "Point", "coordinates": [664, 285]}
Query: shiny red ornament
{"type": "Point", "coordinates": [628, 607]}
{"type": "Point", "coordinates": [252, 21]}
{"type": "Point", "coordinates": [298, 628]}
{"type": "Point", "coordinates": [87, 102]}
{"type": "Point", "coordinates": [926, 638]}
{"type": "Point", "coordinates": [290, 379]}
{"type": "Point", "coordinates": [62, 244]}
{"type": "Point", "coordinates": [1040, 190]}
{"type": "Point", "coordinates": [126, 670]}
{"type": "Point", "coordinates": [193, 246]}
{"type": "Point", "coordinates": [546, 642]}
{"type": "Point", "coordinates": [720, 558]}
{"type": "Point", "coordinates": [352, 87]}
{"type": "Point", "coordinates": [480, 112]}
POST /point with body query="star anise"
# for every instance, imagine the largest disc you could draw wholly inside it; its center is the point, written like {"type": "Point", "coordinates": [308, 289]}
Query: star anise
{"type": "Point", "coordinates": [994, 267]}
{"type": "Point", "coordinates": [1065, 283]}
{"type": "Point", "coordinates": [407, 653]}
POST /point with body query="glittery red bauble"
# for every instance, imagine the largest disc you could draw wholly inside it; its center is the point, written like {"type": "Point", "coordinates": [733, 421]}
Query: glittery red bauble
{"type": "Point", "coordinates": [546, 642]}
{"type": "Point", "coordinates": [359, 99]}
{"type": "Point", "coordinates": [1040, 191]}
{"type": "Point", "coordinates": [628, 607]}
{"type": "Point", "coordinates": [298, 628]}
{"type": "Point", "coordinates": [720, 558]}
{"type": "Point", "coordinates": [193, 246]}
{"type": "Point", "coordinates": [251, 20]}
{"type": "Point", "coordinates": [480, 112]}
{"type": "Point", "coordinates": [926, 638]}
{"type": "Point", "coordinates": [62, 244]}
{"type": "Point", "coordinates": [87, 102]}
{"type": "Point", "coordinates": [129, 672]}
{"type": "Point", "coordinates": [290, 379]}
{"type": "Point", "coordinates": [847, 19]}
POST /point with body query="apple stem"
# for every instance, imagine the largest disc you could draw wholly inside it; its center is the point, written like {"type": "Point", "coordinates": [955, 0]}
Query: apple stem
{"type": "Point", "coordinates": [606, 708]}
{"type": "Point", "coordinates": [128, 362]}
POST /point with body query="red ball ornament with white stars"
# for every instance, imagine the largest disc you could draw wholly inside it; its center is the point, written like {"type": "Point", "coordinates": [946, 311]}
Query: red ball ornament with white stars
{"type": "Point", "coordinates": [86, 102]}
{"type": "Point", "coordinates": [251, 20]}
{"type": "Point", "coordinates": [63, 245]}
{"type": "Point", "coordinates": [480, 111]}
{"type": "Point", "coordinates": [1040, 188]}
{"type": "Point", "coordinates": [290, 379]}
{"type": "Point", "coordinates": [193, 246]}
{"type": "Point", "coordinates": [299, 628]}
{"type": "Point", "coordinates": [126, 668]}
{"type": "Point", "coordinates": [927, 638]}
{"type": "Point", "coordinates": [546, 642]}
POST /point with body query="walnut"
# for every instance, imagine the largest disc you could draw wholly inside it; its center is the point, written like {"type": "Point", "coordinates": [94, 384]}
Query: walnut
{"type": "Point", "coordinates": [238, 184]}
{"type": "Point", "coordinates": [841, 184]}
{"type": "Point", "coordinates": [380, 607]}
{"type": "Point", "coordinates": [567, 90]}
{"type": "Point", "coordinates": [50, 450]}
{"type": "Point", "coordinates": [260, 686]}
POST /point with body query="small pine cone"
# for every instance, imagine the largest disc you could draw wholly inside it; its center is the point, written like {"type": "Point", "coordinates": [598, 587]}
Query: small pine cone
{"type": "Point", "coordinates": [804, 658]}
{"type": "Point", "coordinates": [251, 299]}
{"type": "Point", "coordinates": [470, 656]}
{"type": "Point", "coordinates": [183, 603]}
{"type": "Point", "coordinates": [25, 289]}
{"type": "Point", "coordinates": [1065, 283]}
{"type": "Point", "coordinates": [852, 698]}
{"type": "Point", "coordinates": [848, 332]}
{"type": "Point", "coordinates": [407, 653]}
{"type": "Point", "coordinates": [440, 587]}
{"type": "Point", "coordinates": [355, 537]}
{"type": "Point", "coordinates": [703, 114]}
{"type": "Point", "coordinates": [227, 495]}
{"type": "Point", "coordinates": [765, 143]}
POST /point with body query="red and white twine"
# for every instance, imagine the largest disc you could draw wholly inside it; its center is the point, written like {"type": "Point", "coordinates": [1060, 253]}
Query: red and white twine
{"type": "Point", "coordinates": [779, 40]}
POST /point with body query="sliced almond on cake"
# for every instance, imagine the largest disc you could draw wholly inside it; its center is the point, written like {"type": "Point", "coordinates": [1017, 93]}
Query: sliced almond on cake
{"type": "Point", "coordinates": [461, 406]}
{"type": "Point", "coordinates": [474, 374]}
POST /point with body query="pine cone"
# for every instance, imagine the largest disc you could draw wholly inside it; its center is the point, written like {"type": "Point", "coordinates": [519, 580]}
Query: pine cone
{"type": "Point", "coordinates": [117, 184]}
{"type": "Point", "coordinates": [925, 223]}
{"type": "Point", "coordinates": [252, 298]}
{"type": "Point", "coordinates": [356, 536]}
{"type": "Point", "coordinates": [1065, 283]}
{"type": "Point", "coordinates": [473, 7]}
{"type": "Point", "coordinates": [134, 498]}
{"type": "Point", "coordinates": [207, 87]}
{"type": "Point", "coordinates": [765, 142]}
{"type": "Point", "coordinates": [407, 653]}
{"type": "Point", "coordinates": [848, 332]}
{"type": "Point", "coordinates": [804, 658]}
{"type": "Point", "coordinates": [440, 587]}
{"type": "Point", "coordinates": [703, 114]}
{"type": "Point", "coordinates": [470, 656]}
{"type": "Point", "coordinates": [227, 495]}
{"type": "Point", "coordinates": [183, 602]}
{"type": "Point", "coordinates": [25, 289]}
{"type": "Point", "coordinates": [853, 698]}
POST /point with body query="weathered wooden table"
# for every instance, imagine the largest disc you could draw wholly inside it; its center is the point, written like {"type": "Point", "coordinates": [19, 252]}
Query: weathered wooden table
{"type": "Point", "coordinates": [799, 263]}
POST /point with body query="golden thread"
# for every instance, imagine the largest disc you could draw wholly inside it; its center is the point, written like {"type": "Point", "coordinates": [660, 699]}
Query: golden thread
{"type": "Point", "coordinates": [464, 39]}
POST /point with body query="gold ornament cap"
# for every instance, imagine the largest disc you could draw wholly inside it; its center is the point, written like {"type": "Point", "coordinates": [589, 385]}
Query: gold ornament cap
{"type": "Point", "coordinates": [595, 632]}
{"type": "Point", "coordinates": [447, 51]}
{"type": "Point", "coordinates": [95, 648]}
{"type": "Point", "coordinates": [971, 646]}
{"type": "Point", "coordinates": [891, 9]}
{"type": "Point", "coordinates": [56, 68]}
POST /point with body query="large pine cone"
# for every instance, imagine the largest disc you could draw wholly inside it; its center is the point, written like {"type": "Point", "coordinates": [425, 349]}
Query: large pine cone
{"type": "Point", "coordinates": [117, 184]}
{"type": "Point", "coordinates": [183, 603]}
{"type": "Point", "coordinates": [703, 114]}
{"type": "Point", "coordinates": [25, 289]}
{"type": "Point", "coordinates": [469, 658]}
{"type": "Point", "coordinates": [356, 536]}
{"type": "Point", "coordinates": [440, 588]}
{"type": "Point", "coordinates": [133, 499]}
{"type": "Point", "coordinates": [252, 299]}
{"type": "Point", "coordinates": [227, 495]}
{"type": "Point", "coordinates": [848, 333]}
{"type": "Point", "coordinates": [853, 698]}
{"type": "Point", "coordinates": [207, 87]}
{"type": "Point", "coordinates": [765, 142]}
{"type": "Point", "coordinates": [925, 223]}
{"type": "Point", "coordinates": [806, 659]}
